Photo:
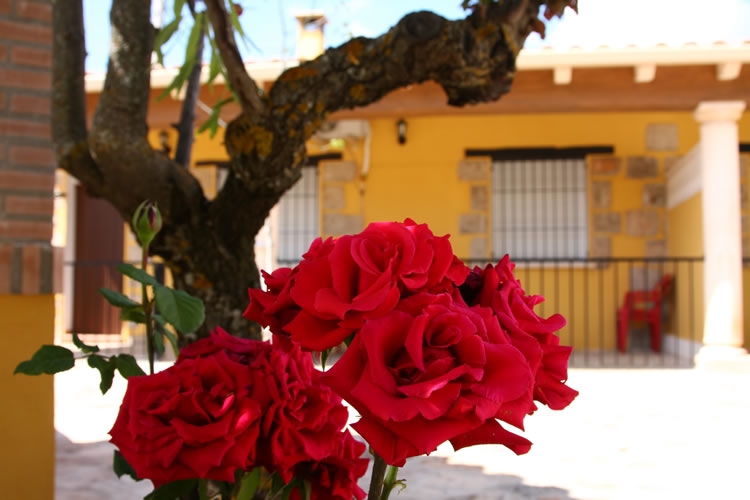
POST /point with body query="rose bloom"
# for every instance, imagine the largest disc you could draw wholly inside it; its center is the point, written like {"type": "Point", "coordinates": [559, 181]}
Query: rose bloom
{"type": "Point", "coordinates": [496, 287]}
{"type": "Point", "coordinates": [335, 477]}
{"type": "Point", "coordinates": [302, 418]}
{"type": "Point", "coordinates": [192, 420]}
{"type": "Point", "coordinates": [431, 371]}
{"type": "Point", "coordinates": [342, 282]}
{"type": "Point", "coordinates": [239, 350]}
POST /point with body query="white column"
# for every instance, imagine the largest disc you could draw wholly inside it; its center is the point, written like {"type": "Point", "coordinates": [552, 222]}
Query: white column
{"type": "Point", "coordinates": [722, 242]}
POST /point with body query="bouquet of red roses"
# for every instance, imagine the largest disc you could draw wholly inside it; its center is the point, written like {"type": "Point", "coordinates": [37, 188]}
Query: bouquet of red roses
{"type": "Point", "coordinates": [434, 352]}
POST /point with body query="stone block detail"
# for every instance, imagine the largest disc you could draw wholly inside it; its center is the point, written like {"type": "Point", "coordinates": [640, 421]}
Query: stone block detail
{"type": "Point", "coordinates": [743, 196]}
{"type": "Point", "coordinates": [745, 224]}
{"type": "Point", "coordinates": [473, 170]}
{"type": "Point", "coordinates": [601, 194]}
{"type": "Point", "coordinates": [655, 195]}
{"type": "Point", "coordinates": [339, 171]}
{"type": "Point", "coordinates": [605, 165]}
{"type": "Point", "coordinates": [479, 198]}
{"type": "Point", "coordinates": [333, 197]}
{"type": "Point", "coordinates": [607, 223]}
{"type": "Point", "coordinates": [601, 246]}
{"type": "Point", "coordinates": [656, 248]}
{"type": "Point", "coordinates": [745, 247]}
{"type": "Point", "coordinates": [642, 167]}
{"type": "Point", "coordinates": [643, 223]}
{"type": "Point", "coordinates": [472, 223]}
{"type": "Point", "coordinates": [478, 248]}
{"type": "Point", "coordinates": [338, 224]}
{"type": "Point", "coordinates": [662, 137]}
{"type": "Point", "coordinates": [744, 165]}
{"type": "Point", "coordinates": [670, 162]}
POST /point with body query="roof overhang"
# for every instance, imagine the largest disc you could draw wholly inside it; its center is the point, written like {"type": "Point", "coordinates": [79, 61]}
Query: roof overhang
{"type": "Point", "coordinates": [726, 58]}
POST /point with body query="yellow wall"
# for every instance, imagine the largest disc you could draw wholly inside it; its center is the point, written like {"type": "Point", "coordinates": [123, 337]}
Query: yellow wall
{"type": "Point", "coordinates": [418, 179]}
{"type": "Point", "coordinates": [27, 435]}
{"type": "Point", "coordinates": [686, 240]}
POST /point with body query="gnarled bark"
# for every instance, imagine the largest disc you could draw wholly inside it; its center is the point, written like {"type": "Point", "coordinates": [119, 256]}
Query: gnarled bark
{"type": "Point", "coordinates": [208, 245]}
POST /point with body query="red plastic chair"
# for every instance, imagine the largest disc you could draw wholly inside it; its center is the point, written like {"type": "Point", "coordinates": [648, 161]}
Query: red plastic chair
{"type": "Point", "coordinates": [646, 306]}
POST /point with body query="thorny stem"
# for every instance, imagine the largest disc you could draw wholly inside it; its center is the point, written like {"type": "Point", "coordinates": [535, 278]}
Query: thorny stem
{"type": "Point", "coordinates": [147, 309]}
{"type": "Point", "coordinates": [376, 480]}
{"type": "Point", "coordinates": [390, 481]}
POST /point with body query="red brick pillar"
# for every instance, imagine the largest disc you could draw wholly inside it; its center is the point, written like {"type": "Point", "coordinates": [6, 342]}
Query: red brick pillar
{"type": "Point", "coordinates": [27, 265]}
{"type": "Point", "coordinates": [27, 163]}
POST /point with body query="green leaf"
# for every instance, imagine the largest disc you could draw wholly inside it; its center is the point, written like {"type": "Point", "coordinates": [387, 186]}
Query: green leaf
{"type": "Point", "coordinates": [323, 358]}
{"type": "Point", "coordinates": [87, 349]}
{"type": "Point", "coordinates": [212, 122]}
{"type": "Point", "coordinates": [121, 467]}
{"type": "Point", "coordinates": [238, 28]}
{"type": "Point", "coordinates": [170, 491]}
{"type": "Point", "coordinates": [158, 340]}
{"type": "Point", "coordinates": [203, 489]}
{"type": "Point", "coordinates": [177, 7]}
{"type": "Point", "coordinates": [186, 313]}
{"type": "Point", "coordinates": [117, 299]}
{"type": "Point", "coordinates": [106, 369]}
{"type": "Point", "coordinates": [136, 274]}
{"type": "Point", "coordinates": [306, 490]}
{"type": "Point", "coordinates": [163, 35]}
{"type": "Point", "coordinates": [173, 341]}
{"type": "Point", "coordinates": [236, 20]}
{"type": "Point", "coordinates": [127, 366]}
{"type": "Point", "coordinates": [214, 66]}
{"type": "Point", "coordinates": [249, 484]}
{"type": "Point", "coordinates": [134, 314]}
{"type": "Point", "coordinates": [49, 359]}
{"type": "Point", "coordinates": [191, 56]}
{"type": "Point", "coordinates": [179, 80]}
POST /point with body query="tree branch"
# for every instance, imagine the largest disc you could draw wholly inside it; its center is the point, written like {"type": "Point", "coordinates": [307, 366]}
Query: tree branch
{"type": "Point", "coordinates": [473, 59]}
{"type": "Point", "coordinates": [186, 125]}
{"type": "Point", "coordinates": [131, 170]}
{"type": "Point", "coordinates": [68, 94]}
{"type": "Point", "coordinates": [239, 79]}
{"type": "Point", "coordinates": [123, 104]}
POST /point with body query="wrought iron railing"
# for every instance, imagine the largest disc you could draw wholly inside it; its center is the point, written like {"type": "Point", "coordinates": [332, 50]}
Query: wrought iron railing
{"type": "Point", "coordinates": [590, 293]}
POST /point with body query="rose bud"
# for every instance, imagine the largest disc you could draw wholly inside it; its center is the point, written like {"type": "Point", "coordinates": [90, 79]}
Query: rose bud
{"type": "Point", "coordinates": [146, 222]}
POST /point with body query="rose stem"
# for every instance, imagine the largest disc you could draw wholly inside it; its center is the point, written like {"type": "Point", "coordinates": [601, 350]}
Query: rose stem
{"type": "Point", "coordinates": [390, 482]}
{"type": "Point", "coordinates": [376, 480]}
{"type": "Point", "coordinates": [147, 310]}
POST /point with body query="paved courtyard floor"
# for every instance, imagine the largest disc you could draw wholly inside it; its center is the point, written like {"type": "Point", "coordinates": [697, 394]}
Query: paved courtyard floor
{"type": "Point", "coordinates": [632, 434]}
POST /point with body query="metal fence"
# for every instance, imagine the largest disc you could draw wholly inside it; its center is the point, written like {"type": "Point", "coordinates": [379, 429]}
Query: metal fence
{"type": "Point", "coordinates": [619, 312]}
{"type": "Point", "coordinates": [613, 317]}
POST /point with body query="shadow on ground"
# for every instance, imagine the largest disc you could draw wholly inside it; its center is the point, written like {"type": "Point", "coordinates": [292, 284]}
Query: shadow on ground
{"type": "Point", "coordinates": [435, 478]}
{"type": "Point", "coordinates": [84, 472]}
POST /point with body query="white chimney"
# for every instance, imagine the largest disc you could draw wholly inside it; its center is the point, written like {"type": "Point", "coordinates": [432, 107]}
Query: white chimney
{"type": "Point", "coordinates": [310, 43]}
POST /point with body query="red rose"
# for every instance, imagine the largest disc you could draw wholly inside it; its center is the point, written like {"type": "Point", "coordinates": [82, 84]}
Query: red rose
{"type": "Point", "coordinates": [302, 418]}
{"type": "Point", "coordinates": [335, 477]}
{"type": "Point", "coordinates": [340, 283]}
{"type": "Point", "coordinates": [431, 371]}
{"type": "Point", "coordinates": [273, 308]}
{"type": "Point", "coordinates": [193, 420]}
{"type": "Point", "coordinates": [497, 288]}
{"type": "Point", "coordinates": [239, 350]}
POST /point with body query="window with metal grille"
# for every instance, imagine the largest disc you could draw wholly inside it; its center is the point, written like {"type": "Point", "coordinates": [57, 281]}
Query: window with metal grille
{"type": "Point", "coordinates": [539, 209]}
{"type": "Point", "coordinates": [298, 218]}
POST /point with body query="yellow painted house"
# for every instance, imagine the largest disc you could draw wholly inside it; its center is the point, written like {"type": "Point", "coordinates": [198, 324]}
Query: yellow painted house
{"type": "Point", "coordinates": [603, 172]}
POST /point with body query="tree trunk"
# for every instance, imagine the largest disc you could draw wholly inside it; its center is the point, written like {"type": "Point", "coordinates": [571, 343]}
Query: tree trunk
{"type": "Point", "coordinates": [209, 244]}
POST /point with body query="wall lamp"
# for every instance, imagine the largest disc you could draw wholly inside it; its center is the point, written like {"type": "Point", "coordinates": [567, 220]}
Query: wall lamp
{"type": "Point", "coordinates": [401, 128]}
